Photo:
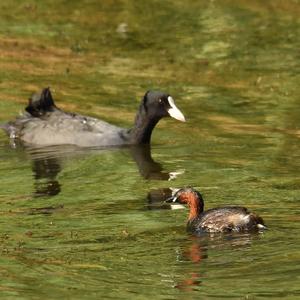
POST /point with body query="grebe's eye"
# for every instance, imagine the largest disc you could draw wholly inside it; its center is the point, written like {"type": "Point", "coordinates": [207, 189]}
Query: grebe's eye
{"type": "Point", "coordinates": [159, 100]}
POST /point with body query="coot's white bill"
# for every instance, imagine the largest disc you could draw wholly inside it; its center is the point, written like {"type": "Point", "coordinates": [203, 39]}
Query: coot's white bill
{"type": "Point", "coordinates": [174, 112]}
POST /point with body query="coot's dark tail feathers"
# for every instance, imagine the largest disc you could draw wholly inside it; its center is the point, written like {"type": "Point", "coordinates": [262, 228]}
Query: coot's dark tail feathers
{"type": "Point", "coordinates": [40, 103]}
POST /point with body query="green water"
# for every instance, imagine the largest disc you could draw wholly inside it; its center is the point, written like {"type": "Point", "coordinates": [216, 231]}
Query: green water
{"type": "Point", "coordinates": [91, 224]}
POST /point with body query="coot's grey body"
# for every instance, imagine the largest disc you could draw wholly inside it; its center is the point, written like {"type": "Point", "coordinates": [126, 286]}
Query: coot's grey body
{"type": "Point", "coordinates": [58, 127]}
{"type": "Point", "coordinates": [45, 124]}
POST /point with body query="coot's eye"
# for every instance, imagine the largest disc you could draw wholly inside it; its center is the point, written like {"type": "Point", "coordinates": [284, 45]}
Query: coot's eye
{"type": "Point", "coordinates": [159, 100]}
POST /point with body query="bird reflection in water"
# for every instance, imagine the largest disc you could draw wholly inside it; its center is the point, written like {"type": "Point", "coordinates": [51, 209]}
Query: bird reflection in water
{"type": "Point", "coordinates": [195, 252]}
{"type": "Point", "coordinates": [197, 248]}
{"type": "Point", "coordinates": [47, 163]}
{"type": "Point", "coordinates": [156, 197]}
{"type": "Point", "coordinates": [150, 169]}
{"type": "Point", "coordinates": [45, 172]}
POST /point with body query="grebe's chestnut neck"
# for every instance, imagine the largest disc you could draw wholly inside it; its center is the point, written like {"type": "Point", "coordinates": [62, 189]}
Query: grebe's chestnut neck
{"type": "Point", "coordinates": [192, 198]}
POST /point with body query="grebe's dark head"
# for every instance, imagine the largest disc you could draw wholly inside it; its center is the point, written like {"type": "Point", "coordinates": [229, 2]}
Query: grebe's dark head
{"type": "Point", "coordinates": [188, 196]}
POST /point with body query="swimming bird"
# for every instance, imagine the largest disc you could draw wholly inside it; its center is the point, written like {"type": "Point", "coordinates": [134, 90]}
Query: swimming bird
{"type": "Point", "coordinates": [44, 123]}
{"type": "Point", "coordinates": [222, 219]}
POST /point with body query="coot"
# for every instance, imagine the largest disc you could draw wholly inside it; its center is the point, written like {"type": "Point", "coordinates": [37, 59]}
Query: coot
{"type": "Point", "coordinates": [44, 123]}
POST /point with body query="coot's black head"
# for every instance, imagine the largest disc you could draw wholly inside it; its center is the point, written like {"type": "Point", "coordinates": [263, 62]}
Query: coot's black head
{"type": "Point", "coordinates": [188, 196]}
{"type": "Point", "coordinates": [154, 106]}
{"type": "Point", "coordinates": [158, 105]}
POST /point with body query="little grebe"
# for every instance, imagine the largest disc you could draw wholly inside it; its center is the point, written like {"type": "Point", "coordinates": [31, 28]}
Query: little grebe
{"type": "Point", "coordinates": [222, 219]}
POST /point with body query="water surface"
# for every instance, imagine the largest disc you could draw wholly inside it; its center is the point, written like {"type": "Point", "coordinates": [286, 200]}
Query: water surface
{"type": "Point", "coordinates": [91, 223]}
